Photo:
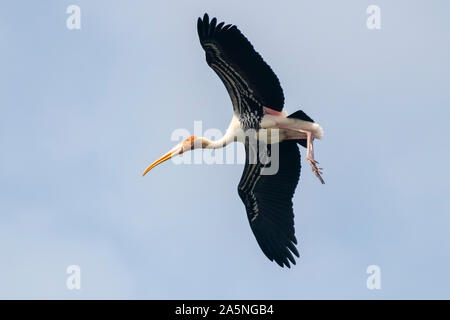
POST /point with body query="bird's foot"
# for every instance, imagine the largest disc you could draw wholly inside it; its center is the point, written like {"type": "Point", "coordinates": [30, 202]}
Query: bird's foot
{"type": "Point", "coordinates": [317, 170]}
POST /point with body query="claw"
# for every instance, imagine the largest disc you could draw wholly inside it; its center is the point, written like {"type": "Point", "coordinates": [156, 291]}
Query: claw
{"type": "Point", "coordinates": [317, 170]}
{"type": "Point", "coordinates": [320, 178]}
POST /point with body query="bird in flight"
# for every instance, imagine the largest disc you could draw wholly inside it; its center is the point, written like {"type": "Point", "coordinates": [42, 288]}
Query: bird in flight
{"type": "Point", "coordinates": [259, 122]}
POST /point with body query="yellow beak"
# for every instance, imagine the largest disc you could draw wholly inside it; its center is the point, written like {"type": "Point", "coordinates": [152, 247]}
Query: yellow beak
{"type": "Point", "coordinates": [172, 153]}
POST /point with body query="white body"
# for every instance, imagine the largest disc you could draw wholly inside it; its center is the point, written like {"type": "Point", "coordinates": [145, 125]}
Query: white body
{"type": "Point", "coordinates": [288, 128]}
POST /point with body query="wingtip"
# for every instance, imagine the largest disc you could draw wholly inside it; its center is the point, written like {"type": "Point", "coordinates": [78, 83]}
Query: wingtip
{"type": "Point", "coordinates": [284, 263]}
{"type": "Point", "coordinates": [204, 19]}
{"type": "Point", "coordinates": [213, 23]}
{"type": "Point", "coordinates": [204, 25]}
{"type": "Point", "coordinates": [219, 26]}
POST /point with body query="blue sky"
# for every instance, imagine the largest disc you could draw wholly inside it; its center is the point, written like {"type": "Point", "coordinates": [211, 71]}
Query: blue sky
{"type": "Point", "coordinates": [83, 112]}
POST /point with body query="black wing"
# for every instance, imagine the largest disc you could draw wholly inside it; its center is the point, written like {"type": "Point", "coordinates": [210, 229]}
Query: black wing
{"type": "Point", "coordinates": [250, 82]}
{"type": "Point", "coordinates": [268, 201]}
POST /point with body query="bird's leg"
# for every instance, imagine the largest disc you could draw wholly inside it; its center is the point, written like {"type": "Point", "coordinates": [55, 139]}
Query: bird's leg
{"type": "Point", "coordinates": [310, 155]}
{"type": "Point", "coordinates": [309, 152]}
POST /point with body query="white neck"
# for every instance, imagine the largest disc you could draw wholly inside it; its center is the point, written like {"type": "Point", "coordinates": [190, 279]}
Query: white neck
{"type": "Point", "coordinates": [216, 144]}
{"type": "Point", "coordinates": [229, 136]}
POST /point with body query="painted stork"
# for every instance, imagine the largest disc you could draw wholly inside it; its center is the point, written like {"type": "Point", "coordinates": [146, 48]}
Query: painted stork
{"type": "Point", "coordinates": [258, 101]}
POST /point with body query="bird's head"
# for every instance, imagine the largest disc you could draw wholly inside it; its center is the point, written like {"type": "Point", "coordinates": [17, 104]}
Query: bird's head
{"type": "Point", "coordinates": [187, 144]}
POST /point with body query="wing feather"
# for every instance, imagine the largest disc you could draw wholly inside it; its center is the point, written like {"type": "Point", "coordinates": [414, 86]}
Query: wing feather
{"type": "Point", "coordinates": [268, 202]}
{"type": "Point", "coordinates": [249, 80]}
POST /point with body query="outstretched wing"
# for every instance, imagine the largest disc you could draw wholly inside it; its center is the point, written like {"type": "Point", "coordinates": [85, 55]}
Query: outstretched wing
{"type": "Point", "coordinates": [250, 82]}
{"type": "Point", "coordinates": [268, 200]}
